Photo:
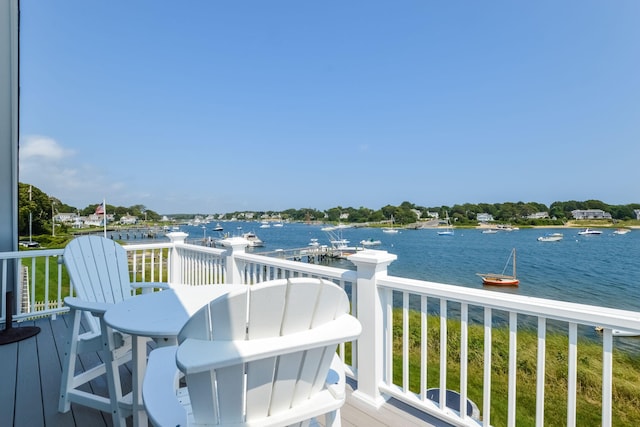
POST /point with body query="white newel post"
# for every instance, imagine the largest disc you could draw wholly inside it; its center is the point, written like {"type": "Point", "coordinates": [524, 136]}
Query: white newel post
{"type": "Point", "coordinates": [234, 245]}
{"type": "Point", "coordinates": [175, 268]}
{"type": "Point", "coordinates": [370, 265]}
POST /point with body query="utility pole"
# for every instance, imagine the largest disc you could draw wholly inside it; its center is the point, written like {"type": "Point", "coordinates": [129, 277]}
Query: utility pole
{"type": "Point", "coordinates": [30, 216]}
{"type": "Point", "coordinates": [53, 220]}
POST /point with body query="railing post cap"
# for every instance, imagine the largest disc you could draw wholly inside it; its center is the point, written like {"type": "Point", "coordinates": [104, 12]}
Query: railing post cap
{"type": "Point", "coordinates": [371, 256]}
{"type": "Point", "coordinates": [235, 243]}
{"type": "Point", "coordinates": [177, 236]}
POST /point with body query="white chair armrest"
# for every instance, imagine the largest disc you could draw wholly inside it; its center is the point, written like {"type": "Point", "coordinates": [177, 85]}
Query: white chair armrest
{"type": "Point", "coordinates": [201, 355]}
{"type": "Point", "coordinates": [160, 386]}
{"type": "Point", "coordinates": [336, 379]}
{"type": "Point", "coordinates": [97, 308]}
{"type": "Point", "coordinates": [147, 285]}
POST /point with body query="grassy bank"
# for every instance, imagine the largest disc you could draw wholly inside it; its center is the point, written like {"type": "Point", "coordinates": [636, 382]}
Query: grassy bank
{"type": "Point", "coordinates": [626, 372]}
{"type": "Point", "coordinates": [48, 269]}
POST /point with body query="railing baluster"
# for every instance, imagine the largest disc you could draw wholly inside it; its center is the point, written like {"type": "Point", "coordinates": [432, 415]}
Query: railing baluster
{"type": "Point", "coordinates": [541, 361]}
{"type": "Point", "coordinates": [46, 284]}
{"type": "Point", "coordinates": [405, 341]}
{"type": "Point", "coordinates": [143, 265]}
{"type": "Point", "coordinates": [513, 358]}
{"type": "Point", "coordinates": [572, 374]}
{"type": "Point", "coordinates": [32, 288]}
{"type": "Point", "coordinates": [152, 265]}
{"type": "Point", "coordinates": [134, 265]}
{"type": "Point", "coordinates": [607, 375]}
{"type": "Point", "coordinates": [388, 300]}
{"type": "Point", "coordinates": [486, 381]}
{"type": "Point", "coordinates": [59, 294]}
{"type": "Point", "coordinates": [443, 353]}
{"type": "Point", "coordinates": [464, 357]}
{"type": "Point", "coordinates": [423, 347]}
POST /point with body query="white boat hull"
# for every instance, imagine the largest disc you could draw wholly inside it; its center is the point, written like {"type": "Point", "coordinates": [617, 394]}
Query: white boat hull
{"type": "Point", "coordinates": [619, 332]}
{"type": "Point", "coordinates": [552, 238]}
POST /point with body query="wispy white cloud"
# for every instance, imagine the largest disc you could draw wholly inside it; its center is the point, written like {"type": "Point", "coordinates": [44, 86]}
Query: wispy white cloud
{"type": "Point", "coordinates": [42, 147]}
{"type": "Point", "coordinates": [57, 171]}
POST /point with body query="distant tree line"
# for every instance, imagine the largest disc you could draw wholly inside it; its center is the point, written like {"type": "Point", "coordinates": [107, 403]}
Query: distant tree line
{"type": "Point", "coordinates": [34, 203]}
{"type": "Point", "coordinates": [465, 214]}
{"type": "Point", "coordinates": [41, 207]}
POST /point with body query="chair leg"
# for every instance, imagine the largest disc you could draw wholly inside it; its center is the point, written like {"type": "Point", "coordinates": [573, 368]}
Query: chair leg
{"type": "Point", "coordinates": [332, 419]}
{"type": "Point", "coordinates": [113, 374]}
{"type": "Point", "coordinates": [69, 364]}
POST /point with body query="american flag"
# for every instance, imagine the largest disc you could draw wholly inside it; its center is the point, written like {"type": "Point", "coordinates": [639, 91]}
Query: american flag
{"type": "Point", "coordinates": [100, 209]}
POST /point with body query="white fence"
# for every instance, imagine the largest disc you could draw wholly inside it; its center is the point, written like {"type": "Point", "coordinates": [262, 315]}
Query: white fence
{"type": "Point", "coordinates": [391, 358]}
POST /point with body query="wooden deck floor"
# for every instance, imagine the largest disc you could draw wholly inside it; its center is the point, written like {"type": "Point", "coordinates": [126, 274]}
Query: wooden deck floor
{"type": "Point", "coordinates": [30, 373]}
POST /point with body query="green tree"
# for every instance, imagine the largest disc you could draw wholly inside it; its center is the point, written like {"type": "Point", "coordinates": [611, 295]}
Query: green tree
{"type": "Point", "coordinates": [34, 210]}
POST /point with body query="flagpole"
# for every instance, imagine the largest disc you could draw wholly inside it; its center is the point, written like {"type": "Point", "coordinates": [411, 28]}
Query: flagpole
{"type": "Point", "coordinates": [104, 218]}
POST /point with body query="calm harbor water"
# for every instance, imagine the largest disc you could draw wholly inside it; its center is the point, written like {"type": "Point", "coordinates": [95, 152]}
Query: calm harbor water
{"type": "Point", "coordinates": [601, 270]}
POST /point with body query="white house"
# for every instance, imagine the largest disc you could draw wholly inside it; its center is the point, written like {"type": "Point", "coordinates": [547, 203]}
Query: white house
{"type": "Point", "coordinates": [538, 215]}
{"type": "Point", "coordinates": [94, 220]}
{"type": "Point", "coordinates": [590, 214]}
{"type": "Point", "coordinates": [484, 217]}
{"type": "Point", "coordinates": [66, 217]}
{"type": "Point", "coordinates": [128, 219]}
{"type": "Point", "coordinates": [434, 215]}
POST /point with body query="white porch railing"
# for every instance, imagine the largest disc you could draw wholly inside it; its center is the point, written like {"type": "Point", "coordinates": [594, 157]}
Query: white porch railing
{"type": "Point", "coordinates": [377, 299]}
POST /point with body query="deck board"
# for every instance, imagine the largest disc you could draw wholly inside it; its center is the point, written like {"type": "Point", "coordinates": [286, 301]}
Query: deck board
{"type": "Point", "coordinates": [8, 371]}
{"type": "Point", "coordinates": [28, 403]}
{"type": "Point", "coordinates": [31, 369]}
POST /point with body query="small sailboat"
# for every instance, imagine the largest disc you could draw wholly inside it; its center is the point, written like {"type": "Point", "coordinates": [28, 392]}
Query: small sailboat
{"type": "Point", "coordinates": [502, 279]}
{"type": "Point", "coordinates": [392, 229]}
{"type": "Point", "coordinates": [447, 231]}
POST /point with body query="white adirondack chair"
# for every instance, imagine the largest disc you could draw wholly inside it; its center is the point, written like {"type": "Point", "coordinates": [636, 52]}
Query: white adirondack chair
{"type": "Point", "coordinates": [261, 356]}
{"type": "Point", "coordinates": [99, 273]}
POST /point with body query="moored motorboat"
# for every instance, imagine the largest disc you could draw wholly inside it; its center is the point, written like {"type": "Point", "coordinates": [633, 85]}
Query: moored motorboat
{"type": "Point", "coordinates": [254, 241]}
{"type": "Point", "coordinates": [370, 242]}
{"type": "Point", "coordinates": [619, 332]}
{"type": "Point", "coordinates": [552, 237]}
{"type": "Point", "coordinates": [589, 232]}
{"type": "Point", "coordinates": [340, 247]}
{"type": "Point", "coordinates": [621, 231]}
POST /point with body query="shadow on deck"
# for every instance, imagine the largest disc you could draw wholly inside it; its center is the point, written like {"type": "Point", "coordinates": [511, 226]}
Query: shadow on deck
{"type": "Point", "coordinates": [30, 386]}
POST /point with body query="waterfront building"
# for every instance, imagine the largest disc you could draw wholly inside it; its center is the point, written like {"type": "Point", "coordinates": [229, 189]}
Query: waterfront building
{"type": "Point", "coordinates": [590, 214]}
{"type": "Point", "coordinates": [538, 215]}
{"type": "Point", "coordinates": [484, 217]}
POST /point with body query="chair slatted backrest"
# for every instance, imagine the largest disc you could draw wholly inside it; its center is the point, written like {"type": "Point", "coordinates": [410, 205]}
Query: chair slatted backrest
{"type": "Point", "coordinates": [257, 389]}
{"type": "Point", "coordinates": [99, 271]}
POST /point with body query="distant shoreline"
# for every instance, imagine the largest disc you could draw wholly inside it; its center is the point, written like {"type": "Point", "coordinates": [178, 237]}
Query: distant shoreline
{"type": "Point", "coordinates": [567, 226]}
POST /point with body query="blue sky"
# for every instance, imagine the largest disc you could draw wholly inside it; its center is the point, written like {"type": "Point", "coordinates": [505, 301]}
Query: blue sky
{"type": "Point", "coordinates": [211, 106]}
